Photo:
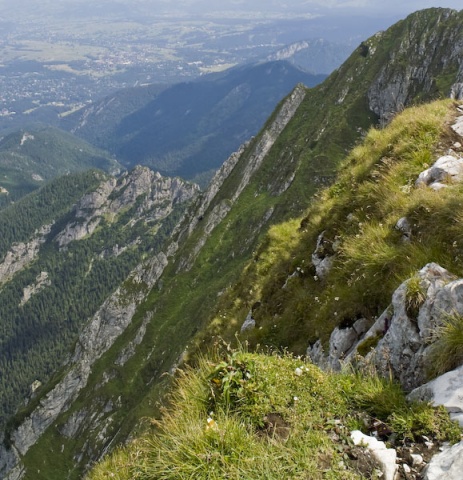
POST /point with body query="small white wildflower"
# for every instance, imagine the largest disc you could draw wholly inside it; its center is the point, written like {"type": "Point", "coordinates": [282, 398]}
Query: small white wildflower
{"type": "Point", "coordinates": [337, 299]}
{"type": "Point", "coordinates": [296, 399]}
{"type": "Point", "coordinates": [298, 372]}
{"type": "Point", "coordinates": [315, 278]}
{"type": "Point", "coordinates": [211, 424]}
{"type": "Point", "coordinates": [335, 314]}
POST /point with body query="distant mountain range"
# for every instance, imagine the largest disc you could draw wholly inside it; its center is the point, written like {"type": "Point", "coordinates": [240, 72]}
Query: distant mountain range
{"type": "Point", "coordinates": [188, 129]}
{"type": "Point", "coordinates": [315, 56]}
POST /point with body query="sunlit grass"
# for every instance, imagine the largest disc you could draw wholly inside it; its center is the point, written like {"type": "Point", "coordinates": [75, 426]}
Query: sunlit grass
{"type": "Point", "coordinates": [205, 435]}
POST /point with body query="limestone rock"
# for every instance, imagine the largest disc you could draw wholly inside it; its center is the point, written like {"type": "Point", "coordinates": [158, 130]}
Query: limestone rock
{"type": "Point", "coordinates": [269, 136]}
{"type": "Point", "coordinates": [456, 92]}
{"type": "Point", "coordinates": [22, 254]}
{"type": "Point", "coordinates": [97, 337]}
{"type": "Point", "coordinates": [253, 162]}
{"type": "Point", "coordinates": [159, 194]}
{"type": "Point", "coordinates": [403, 341]}
{"type": "Point", "coordinates": [447, 465]}
{"type": "Point", "coordinates": [446, 169]}
{"type": "Point", "coordinates": [342, 342]}
{"type": "Point", "coordinates": [394, 86]}
{"type": "Point", "coordinates": [322, 257]}
{"type": "Point", "coordinates": [403, 225]}
{"type": "Point", "coordinates": [41, 282]}
{"type": "Point", "coordinates": [446, 390]}
{"type": "Point", "coordinates": [249, 323]}
{"type": "Point", "coordinates": [385, 456]}
{"type": "Point", "coordinates": [458, 125]}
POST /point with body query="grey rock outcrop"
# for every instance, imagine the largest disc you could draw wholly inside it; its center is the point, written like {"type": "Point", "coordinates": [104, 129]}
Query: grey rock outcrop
{"type": "Point", "coordinates": [41, 282]}
{"type": "Point", "coordinates": [404, 341]}
{"type": "Point", "coordinates": [342, 342]}
{"type": "Point", "coordinates": [254, 160]}
{"type": "Point", "coordinates": [97, 337]}
{"type": "Point", "coordinates": [158, 196]}
{"type": "Point", "coordinates": [456, 92]}
{"type": "Point", "coordinates": [446, 390]}
{"type": "Point", "coordinates": [323, 256]}
{"type": "Point", "coordinates": [269, 136]}
{"type": "Point", "coordinates": [457, 127]}
{"type": "Point", "coordinates": [447, 169]}
{"type": "Point", "coordinates": [447, 465]}
{"type": "Point", "coordinates": [22, 254]}
{"type": "Point", "coordinates": [412, 67]}
{"type": "Point", "coordinates": [249, 323]}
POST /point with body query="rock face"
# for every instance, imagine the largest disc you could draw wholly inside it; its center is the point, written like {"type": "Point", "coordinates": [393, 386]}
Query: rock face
{"type": "Point", "coordinates": [405, 341]}
{"type": "Point", "coordinates": [412, 66]}
{"type": "Point", "coordinates": [41, 282]}
{"type": "Point", "coordinates": [399, 339]}
{"type": "Point", "coordinates": [343, 341]}
{"type": "Point", "coordinates": [154, 197]}
{"type": "Point", "coordinates": [249, 323]}
{"type": "Point", "coordinates": [22, 254]}
{"type": "Point", "coordinates": [159, 195]}
{"type": "Point", "coordinates": [101, 332]}
{"type": "Point", "coordinates": [255, 158]}
{"type": "Point", "coordinates": [322, 257]}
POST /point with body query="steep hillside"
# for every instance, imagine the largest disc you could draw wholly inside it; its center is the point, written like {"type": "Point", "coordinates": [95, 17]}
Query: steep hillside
{"type": "Point", "coordinates": [64, 249]}
{"type": "Point", "coordinates": [30, 158]}
{"type": "Point", "coordinates": [325, 281]}
{"type": "Point", "coordinates": [191, 128]}
{"type": "Point", "coordinates": [145, 327]}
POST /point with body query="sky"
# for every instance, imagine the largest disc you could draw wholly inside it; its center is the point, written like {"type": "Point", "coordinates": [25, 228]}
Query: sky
{"type": "Point", "coordinates": [345, 7]}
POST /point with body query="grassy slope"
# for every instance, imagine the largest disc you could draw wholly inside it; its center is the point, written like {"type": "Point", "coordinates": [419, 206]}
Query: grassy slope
{"type": "Point", "coordinates": [242, 415]}
{"type": "Point", "coordinates": [358, 214]}
{"type": "Point", "coordinates": [239, 391]}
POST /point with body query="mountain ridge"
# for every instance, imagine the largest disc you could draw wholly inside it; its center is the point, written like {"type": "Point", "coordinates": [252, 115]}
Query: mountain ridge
{"type": "Point", "coordinates": [218, 111]}
{"type": "Point", "coordinates": [303, 157]}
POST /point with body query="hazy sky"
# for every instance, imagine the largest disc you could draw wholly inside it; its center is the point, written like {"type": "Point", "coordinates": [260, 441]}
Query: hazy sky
{"type": "Point", "coordinates": [389, 7]}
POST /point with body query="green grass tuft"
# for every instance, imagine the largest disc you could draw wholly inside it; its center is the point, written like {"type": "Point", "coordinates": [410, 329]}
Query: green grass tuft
{"type": "Point", "coordinates": [446, 352]}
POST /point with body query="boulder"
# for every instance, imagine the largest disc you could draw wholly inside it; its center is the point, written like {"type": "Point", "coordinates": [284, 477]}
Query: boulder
{"type": "Point", "coordinates": [386, 457]}
{"type": "Point", "coordinates": [249, 323]}
{"type": "Point", "coordinates": [446, 169]}
{"type": "Point", "coordinates": [447, 465]}
{"type": "Point", "coordinates": [446, 390]}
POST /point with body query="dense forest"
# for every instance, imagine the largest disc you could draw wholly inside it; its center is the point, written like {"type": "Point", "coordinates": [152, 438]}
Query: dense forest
{"type": "Point", "coordinates": [38, 332]}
